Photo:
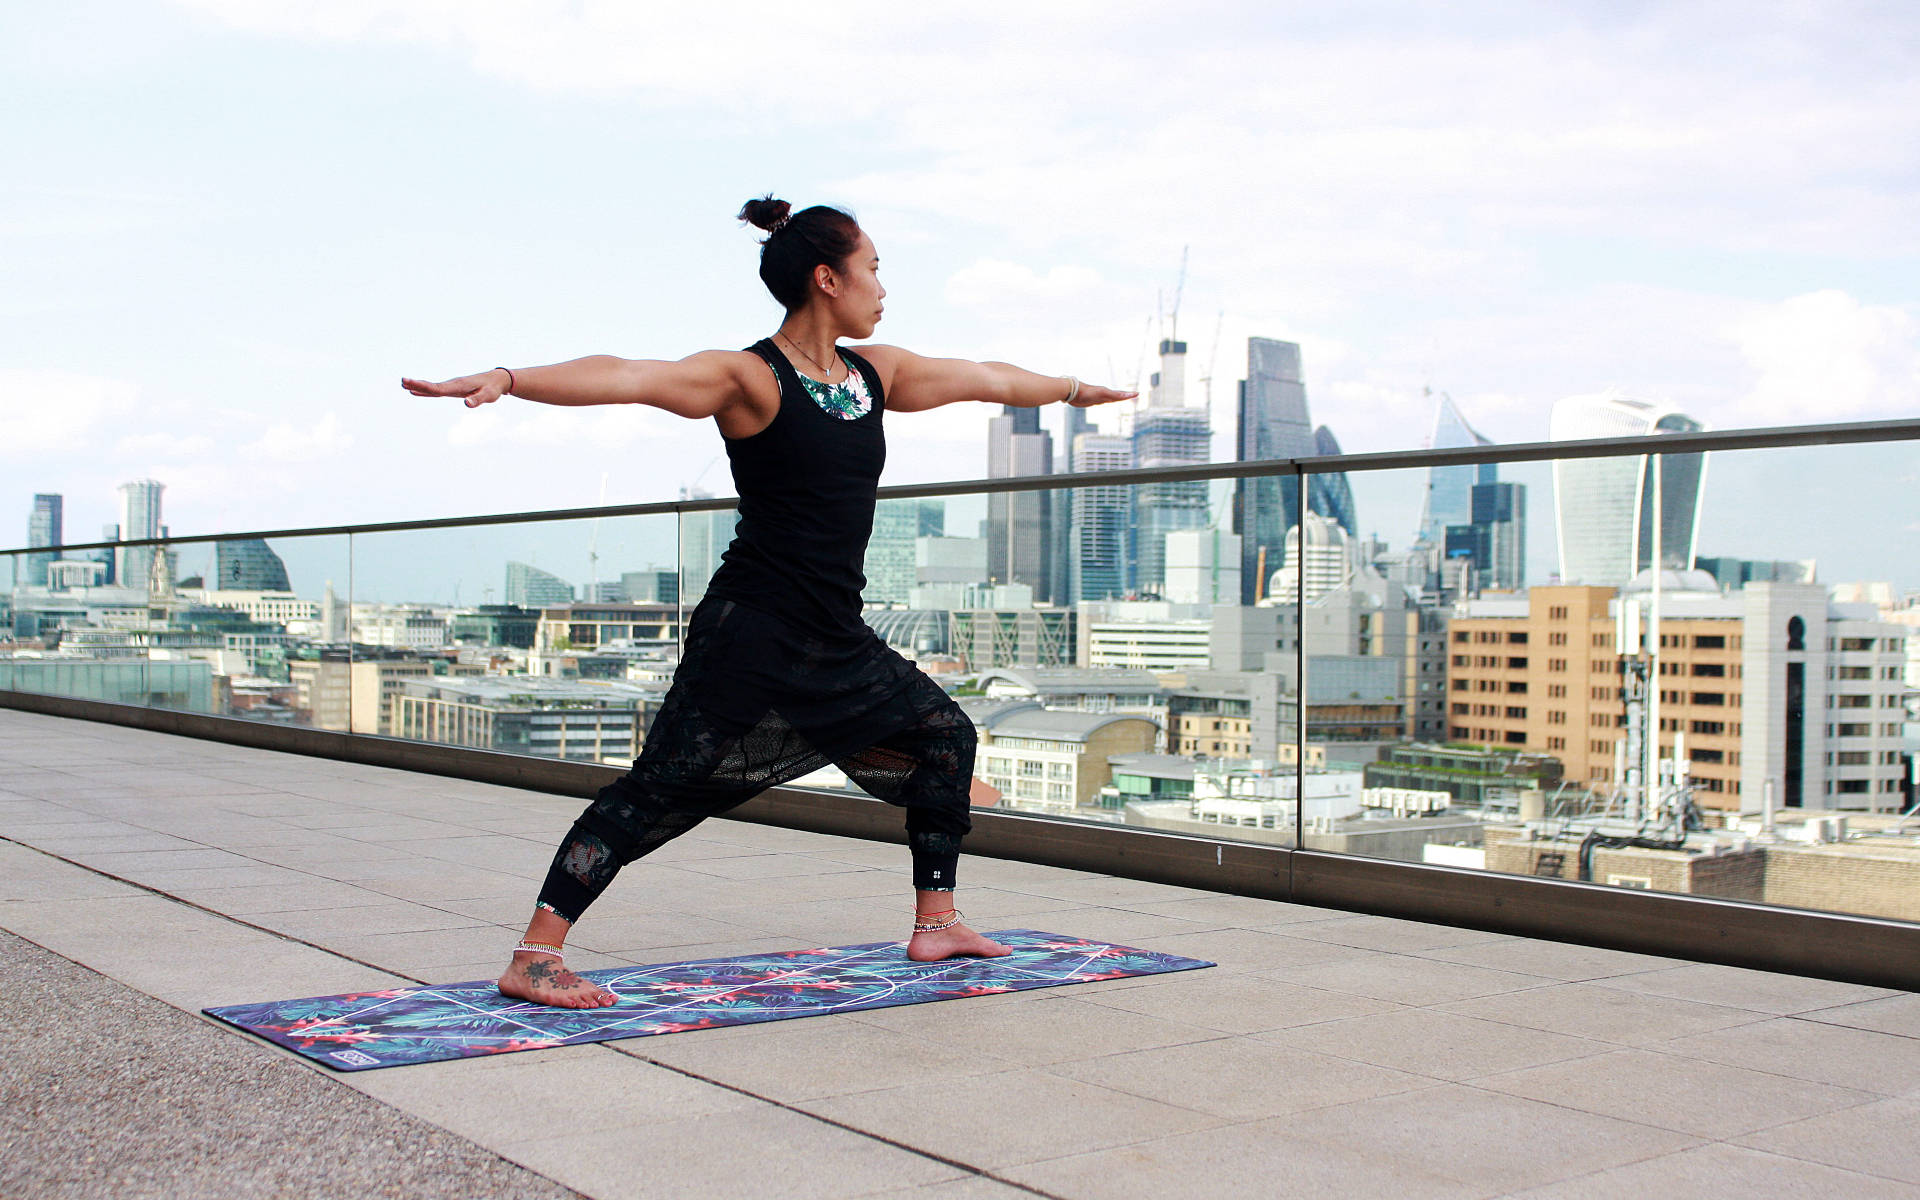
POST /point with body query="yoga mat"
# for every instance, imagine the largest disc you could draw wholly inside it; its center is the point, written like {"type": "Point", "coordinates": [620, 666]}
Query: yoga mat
{"type": "Point", "coordinates": [360, 1031]}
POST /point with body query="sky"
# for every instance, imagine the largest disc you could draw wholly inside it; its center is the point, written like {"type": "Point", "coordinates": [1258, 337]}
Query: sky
{"type": "Point", "coordinates": [227, 228]}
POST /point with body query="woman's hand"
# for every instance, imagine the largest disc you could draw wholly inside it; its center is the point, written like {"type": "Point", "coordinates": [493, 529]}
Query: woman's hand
{"type": "Point", "coordinates": [1091, 394]}
{"type": "Point", "coordinates": [476, 390]}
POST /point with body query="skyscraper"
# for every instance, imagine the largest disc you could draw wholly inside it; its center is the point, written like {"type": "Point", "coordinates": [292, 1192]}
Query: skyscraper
{"type": "Point", "coordinates": [889, 564]}
{"type": "Point", "coordinates": [1273, 423]}
{"type": "Point", "coordinates": [248, 565]}
{"type": "Point", "coordinates": [1074, 422]}
{"type": "Point", "coordinates": [1495, 541]}
{"type": "Point", "coordinates": [1019, 525]}
{"type": "Point", "coordinates": [1605, 506]}
{"type": "Point", "coordinates": [140, 518]}
{"type": "Point", "coordinates": [1167, 434]}
{"type": "Point", "coordinates": [1330, 494]}
{"type": "Point", "coordinates": [1097, 551]}
{"type": "Point", "coordinates": [704, 538]}
{"type": "Point", "coordinates": [530, 587]}
{"type": "Point", "coordinates": [1450, 489]}
{"type": "Point", "coordinates": [1321, 551]}
{"type": "Point", "coordinates": [43, 529]}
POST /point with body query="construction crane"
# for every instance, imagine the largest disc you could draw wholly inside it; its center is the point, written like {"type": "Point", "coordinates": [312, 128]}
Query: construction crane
{"type": "Point", "coordinates": [593, 544]}
{"type": "Point", "coordinates": [1213, 357]}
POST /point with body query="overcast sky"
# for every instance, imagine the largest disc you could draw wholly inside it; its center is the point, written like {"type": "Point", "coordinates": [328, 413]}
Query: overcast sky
{"type": "Point", "coordinates": [228, 226]}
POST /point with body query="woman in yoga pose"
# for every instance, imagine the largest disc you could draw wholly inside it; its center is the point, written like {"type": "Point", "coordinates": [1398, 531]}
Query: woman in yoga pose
{"type": "Point", "coordinates": [779, 675]}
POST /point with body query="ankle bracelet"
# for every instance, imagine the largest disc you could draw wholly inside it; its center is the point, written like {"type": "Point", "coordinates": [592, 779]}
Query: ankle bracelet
{"type": "Point", "coordinates": [931, 922]}
{"type": "Point", "coordinates": [541, 948]}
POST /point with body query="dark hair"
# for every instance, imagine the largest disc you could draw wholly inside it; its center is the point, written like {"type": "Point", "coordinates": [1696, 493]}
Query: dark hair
{"type": "Point", "coordinates": [796, 244]}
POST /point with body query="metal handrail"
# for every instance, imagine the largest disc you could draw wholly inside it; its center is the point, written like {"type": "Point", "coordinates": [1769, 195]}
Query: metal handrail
{"type": "Point", "coordinates": [1766, 438]}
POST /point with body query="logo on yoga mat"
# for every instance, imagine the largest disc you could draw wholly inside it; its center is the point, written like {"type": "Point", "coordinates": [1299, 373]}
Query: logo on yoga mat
{"type": "Point", "coordinates": [353, 1058]}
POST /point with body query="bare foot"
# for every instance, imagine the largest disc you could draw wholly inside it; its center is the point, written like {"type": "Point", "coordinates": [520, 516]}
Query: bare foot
{"type": "Point", "coordinates": [956, 941]}
{"type": "Point", "coordinates": [542, 979]}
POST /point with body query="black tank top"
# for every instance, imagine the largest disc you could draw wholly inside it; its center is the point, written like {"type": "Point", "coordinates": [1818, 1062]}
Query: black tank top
{"type": "Point", "coordinates": [806, 484]}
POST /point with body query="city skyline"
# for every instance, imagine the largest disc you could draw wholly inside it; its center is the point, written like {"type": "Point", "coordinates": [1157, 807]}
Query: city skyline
{"type": "Point", "coordinates": [1744, 516]}
{"type": "Point", "coordinates": [1463, 221]}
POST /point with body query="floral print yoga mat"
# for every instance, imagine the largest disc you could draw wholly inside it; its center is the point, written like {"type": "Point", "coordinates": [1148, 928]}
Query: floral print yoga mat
{"type": "Point", "coordinates": [360, 1031]}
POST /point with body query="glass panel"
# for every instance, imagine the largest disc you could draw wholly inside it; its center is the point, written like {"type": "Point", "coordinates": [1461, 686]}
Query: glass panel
{"type": "Point", "coordinates": [158, 625]}
{"type": "Point", "coordinates": [234, 627]}
{"type": "Point", "coordinates": [1111, 644]}
{"type": "Point", "coordinates": [1740, 725]}
{"type": "Point", "coordinates": [547, 638]}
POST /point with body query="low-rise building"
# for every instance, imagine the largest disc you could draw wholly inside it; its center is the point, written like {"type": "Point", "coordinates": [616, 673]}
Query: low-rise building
{"type": "Point", "coordinates": [996, 638]}
{"type": "Point", "coordinates": [583, 721]}
{"type": "Point", "coordinates": [1473, 775]}
{"type": "Point", "coordinates": [585, 626]}
{"type": "Point", "coordinates": [1773, 686]}
{"type": "Point", "coordinates": [1053, 761]}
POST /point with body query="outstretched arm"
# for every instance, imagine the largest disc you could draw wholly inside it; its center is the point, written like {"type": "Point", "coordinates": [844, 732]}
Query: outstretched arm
{"type": "Point", "coordinates": [700, 386]}
{"type": "Point", "coordinates": [915, 384]}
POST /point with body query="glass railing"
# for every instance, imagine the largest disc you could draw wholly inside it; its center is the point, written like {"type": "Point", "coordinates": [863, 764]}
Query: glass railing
{"type": "Point", "coordinates": [1460, 658]}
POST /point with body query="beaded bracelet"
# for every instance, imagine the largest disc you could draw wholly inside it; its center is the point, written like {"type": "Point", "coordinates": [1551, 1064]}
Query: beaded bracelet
{"type": "Point", "coordinates": [928, 924]}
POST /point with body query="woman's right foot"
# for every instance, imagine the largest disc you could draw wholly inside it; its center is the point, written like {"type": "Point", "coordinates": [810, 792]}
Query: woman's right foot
{"type": "Point", "coordinates": [544, 979]}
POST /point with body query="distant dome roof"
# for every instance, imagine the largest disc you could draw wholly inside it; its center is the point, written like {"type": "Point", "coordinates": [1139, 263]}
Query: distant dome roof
{"type": "Point", "coordinates": [1674, 581]}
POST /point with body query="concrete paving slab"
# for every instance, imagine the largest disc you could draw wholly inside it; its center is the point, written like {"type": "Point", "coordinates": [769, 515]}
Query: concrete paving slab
{"type": "Point", "coordinates": [723, 1154]}
{"type": "Point", "coordinates": [1833, 1054]}
{"type": "Point", "coordinates": [1235, 1162]}
{"type": "Point", "coordinates": [1496, 1143]}
{"type": "Point", "coordinates": [1011, 1117]}
{"type": "Point", "coordinates": [1549, 960]}
{"type": "Point", "coordinates": [1403, 979]}
{"type": "Point", "coordinates": [815, 1057]}
{"type": "Point", "coordinates": [105, 1092]}
{"type": "Point", "coordinates": [1442, 1045]}
{"type": "Point", "coordinates": [1608, 1014]}
{"type": "Point", "coordinates": [1237, 950]}
{"type": "Point", "coordinates": [1385, 933]}
{"type": "Point", "coordinates": [1895, 1014]}
{"type": "Point", "coordinates": [1757, 991]}
{"type": "Point", "coordinates": [1239, 1080]}
{"type": "Point", "coordinates": [1719, 1171]}
{"type": "Point", "coordinates": [1053, 1028]}
{"type": "Point", "coordinates": [1238, 1004]}
{"type": "Point", "coordinates": [1705, 1099]}
{"type": "Point", "coordinates": [513, 1100]}
{"type": "Point", "coordinates": [1875, 1138]}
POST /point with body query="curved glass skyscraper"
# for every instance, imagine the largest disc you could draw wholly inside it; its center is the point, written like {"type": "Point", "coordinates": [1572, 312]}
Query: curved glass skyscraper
{"type": "Point", "coordinates": [1604, 506]}
{"type": "Point", "coordinates": [1273, 424]}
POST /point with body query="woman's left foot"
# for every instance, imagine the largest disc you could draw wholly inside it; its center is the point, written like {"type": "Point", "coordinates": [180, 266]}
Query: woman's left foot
{"type": "Point", "coordinates": [955, 941]}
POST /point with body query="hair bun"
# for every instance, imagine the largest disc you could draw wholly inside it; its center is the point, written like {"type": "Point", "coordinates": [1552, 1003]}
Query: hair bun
{"type": "Point", "coordinates": [765, 213]}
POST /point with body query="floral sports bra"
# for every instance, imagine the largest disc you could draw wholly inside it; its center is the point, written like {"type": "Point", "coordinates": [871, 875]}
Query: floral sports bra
{"type": "Point", "coordinates": [849, 399]}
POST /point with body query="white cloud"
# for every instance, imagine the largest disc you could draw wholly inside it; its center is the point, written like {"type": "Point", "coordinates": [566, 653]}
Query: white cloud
{"type": "Point", "coordinates": [156, 446]}
{"type": "Point", "coordinates": [997, 285]}
{"type": "Point", "coordinates": [45, 412]}
{"type": "Point", "coordinates": [1826, 356]}
{"type": "Point", "coordinates": [287, 442]}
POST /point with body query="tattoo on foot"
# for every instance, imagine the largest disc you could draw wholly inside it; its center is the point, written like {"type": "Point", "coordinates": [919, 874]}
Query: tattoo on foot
{"type": "Point", "coordinates": [542, 973]}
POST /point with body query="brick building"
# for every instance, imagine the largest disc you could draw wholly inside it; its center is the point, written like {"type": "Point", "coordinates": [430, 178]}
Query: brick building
{"type": "Point", "coordinates": [1771, 683]}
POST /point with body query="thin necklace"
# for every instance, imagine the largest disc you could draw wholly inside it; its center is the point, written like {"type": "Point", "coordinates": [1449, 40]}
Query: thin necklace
{"type": "Point", "coordinates": [810, 358]}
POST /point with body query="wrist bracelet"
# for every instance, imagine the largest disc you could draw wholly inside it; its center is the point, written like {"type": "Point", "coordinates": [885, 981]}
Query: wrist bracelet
{"type": "Point", "coordinates": [1073, 389]}
{"type": "Point", "coordinates": [510, 380]}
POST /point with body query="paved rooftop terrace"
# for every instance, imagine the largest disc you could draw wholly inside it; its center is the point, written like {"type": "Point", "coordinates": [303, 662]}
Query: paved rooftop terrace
{"type": "Point", "coordinates": [1327, 1055]}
